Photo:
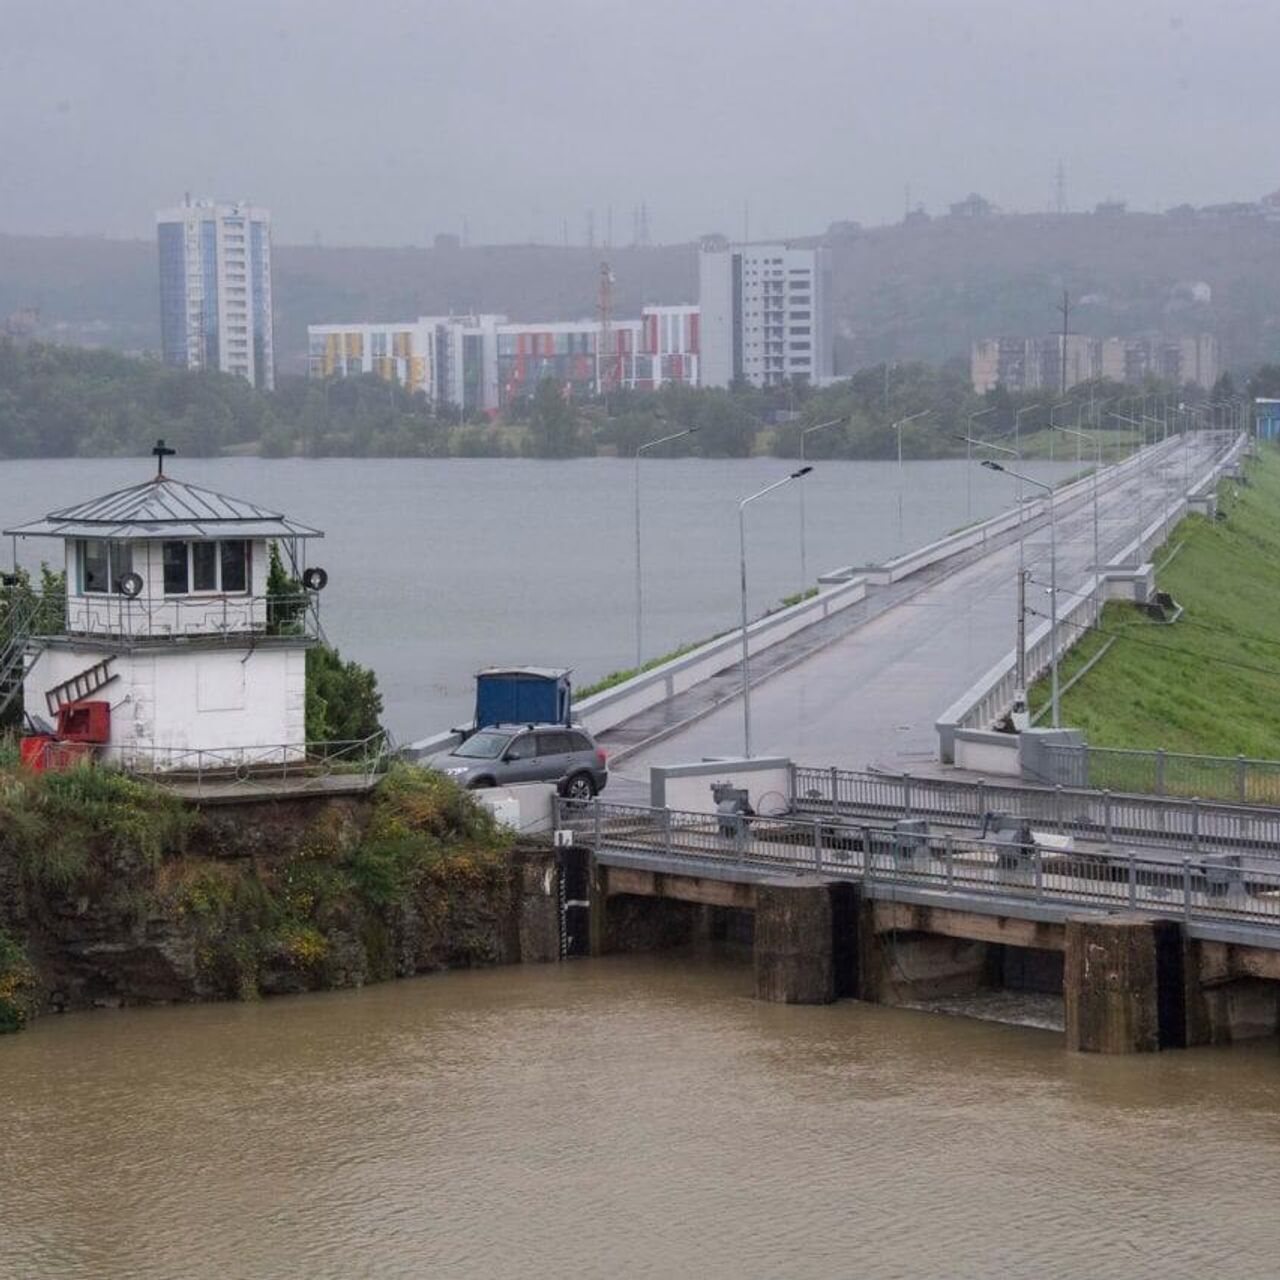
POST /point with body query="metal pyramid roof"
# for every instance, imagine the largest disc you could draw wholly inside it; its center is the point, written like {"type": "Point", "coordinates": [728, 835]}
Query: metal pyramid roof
{"type": "Point", "coordinates": [163, 507]}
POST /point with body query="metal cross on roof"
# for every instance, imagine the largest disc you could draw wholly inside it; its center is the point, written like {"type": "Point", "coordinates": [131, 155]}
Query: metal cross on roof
{"type": "Point", "coordinates": [162, 451]}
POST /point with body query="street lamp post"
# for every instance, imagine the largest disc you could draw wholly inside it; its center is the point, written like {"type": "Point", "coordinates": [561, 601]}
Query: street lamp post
{"type": "Point", "coordinates": [804, 432]}
{"type": "Point", "coordinates": [1053, 408]}
{"type": "Point", "coordinates": [742, 552]}
{"type": "Point", "coordinates": [1017, 444]}
{"type": "Point", "coordinates": [1163, 424]}
{"type": "Point", "coordinates": [1022, 646]}
{"type": "Point", "coordinates": [968, 457]}
{"type": "Point", "coordinates": [992, 465]}
{"type": "Point", "coordinates": [1097, 466]}
{"type": "Point", "coordinates": [897, 427]}
{"type": "Point", "coordinates": [652, 444]}
{"type": "Point", "coordinates": [1142, 444]}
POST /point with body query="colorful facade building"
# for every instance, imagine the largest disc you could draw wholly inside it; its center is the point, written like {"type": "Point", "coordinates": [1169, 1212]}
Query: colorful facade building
{"type": "Point", "coordinates": [486, 362]}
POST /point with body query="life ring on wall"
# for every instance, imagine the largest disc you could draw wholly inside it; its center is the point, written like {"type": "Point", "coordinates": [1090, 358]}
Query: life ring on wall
{"type": "Point", "coordinates": [314, 579]}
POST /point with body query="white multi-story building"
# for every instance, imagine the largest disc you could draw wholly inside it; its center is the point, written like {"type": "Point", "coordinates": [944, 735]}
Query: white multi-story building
{"type": "Point", "coordinates": [764, 315]}
{"type": "Point", "coordinates": [215, 288]}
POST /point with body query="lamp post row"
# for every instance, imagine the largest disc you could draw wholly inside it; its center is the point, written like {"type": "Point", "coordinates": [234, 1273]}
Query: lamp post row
{"type": "Point", "coordinates": [1018, 475]}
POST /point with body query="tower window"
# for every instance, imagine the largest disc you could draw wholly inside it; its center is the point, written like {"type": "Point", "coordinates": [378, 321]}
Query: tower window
{"type": "Point", "coordinates": [103, 564]}
{"type": "Point", "coordinates": [206, 567]}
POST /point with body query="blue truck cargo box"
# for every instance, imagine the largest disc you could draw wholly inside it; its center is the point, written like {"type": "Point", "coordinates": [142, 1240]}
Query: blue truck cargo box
{"type": "Point", "coordinates": [522, 695]}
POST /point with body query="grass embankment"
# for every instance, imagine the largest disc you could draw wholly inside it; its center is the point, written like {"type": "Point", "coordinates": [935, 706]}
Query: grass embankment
{"type": "Point", "coordinates": [1209, 683]}
{"type": "Point", "coordinates": [424, 883]}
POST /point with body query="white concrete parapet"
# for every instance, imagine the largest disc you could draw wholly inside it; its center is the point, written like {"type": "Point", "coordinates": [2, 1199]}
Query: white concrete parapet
{"type": "Point", "coordinates": [687, 787]}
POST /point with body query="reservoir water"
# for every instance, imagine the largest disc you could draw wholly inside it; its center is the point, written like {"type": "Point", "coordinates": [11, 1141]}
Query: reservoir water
{"type": "Point", "coordinates": [637, 1116]}
{"type": "Point", "coordinates": [439, 567]}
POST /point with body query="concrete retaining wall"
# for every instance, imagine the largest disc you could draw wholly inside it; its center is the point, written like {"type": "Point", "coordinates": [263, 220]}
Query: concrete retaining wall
{"type": "Point", "coordinates": [687, 787]}
{"type": "Point", "coordinates": [985, 751]}
{"type": "Point", "coordinates": [614, 706]}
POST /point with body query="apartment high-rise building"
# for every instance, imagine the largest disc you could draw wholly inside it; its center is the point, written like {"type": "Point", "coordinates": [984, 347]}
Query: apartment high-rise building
{"type": "Point", "coordinates": [764, 315]}
{"type": "Point", "coordinates": [215, 288]}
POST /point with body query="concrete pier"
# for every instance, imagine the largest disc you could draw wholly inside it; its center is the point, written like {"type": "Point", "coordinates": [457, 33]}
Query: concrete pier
{"type": "Point", "coordinates": [1131, 983]}
{"type": "Point", "coordinates": [1123, 984]}
{"type": "Point", "coordinates": [794, 951]}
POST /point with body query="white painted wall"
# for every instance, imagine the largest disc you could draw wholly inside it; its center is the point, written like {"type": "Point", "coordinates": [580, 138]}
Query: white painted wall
{"type": "Point", "coordinates": [233, 699]}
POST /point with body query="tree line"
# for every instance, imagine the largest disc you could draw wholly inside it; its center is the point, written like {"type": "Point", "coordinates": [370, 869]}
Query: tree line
{"type": "Point", "coordinates": [60, 401]}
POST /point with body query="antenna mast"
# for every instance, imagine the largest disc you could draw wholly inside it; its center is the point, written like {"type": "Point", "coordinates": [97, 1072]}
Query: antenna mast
{"type": "Point", "coordinates": [1065, 308]}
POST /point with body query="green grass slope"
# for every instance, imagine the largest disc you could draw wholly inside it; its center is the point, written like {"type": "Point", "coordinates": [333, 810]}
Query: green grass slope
{"type": "Point", "coordinates": [1209, 683]}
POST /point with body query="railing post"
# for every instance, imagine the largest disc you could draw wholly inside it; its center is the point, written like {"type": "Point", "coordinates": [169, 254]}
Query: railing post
{"type": "Point", "coordinates": [1106, 814]}
{"type": "Point", "coordinates": [1195, 823]}
{"type": "Point", "coordinates": [1133, 882]}
{"type": "Point", "coordinates": [868, 861]}
{"type": "Point", "coordinates": [666, 833]}
{"type": "Point", "coordinates": [835, 781]}
{"type": "Point", "coordinates": [817, 846]}
{"type": "Point", "coordinates": [1159, 771]}
{"type": "Point", "coordinates": [948, 849]}
{"type": "Point", "coordinates": [1037, 858]}
{"type": "Point", "coordinates": [1058, 804]}
{"type": "Point", "coordinates": [1240, 778]}
{"type": "Point", "coordinates": [1186, 889]}
{"type": "Point", "coordinates": [598, 824]}
{"type": "Point", "coordinates": [906, 795]}
{"type": "Point", "coordinates": [982, 797]}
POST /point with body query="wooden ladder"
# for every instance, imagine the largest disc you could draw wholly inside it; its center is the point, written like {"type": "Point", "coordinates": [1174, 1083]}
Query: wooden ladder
{"type": "Point", "coordinates": [80, 686]}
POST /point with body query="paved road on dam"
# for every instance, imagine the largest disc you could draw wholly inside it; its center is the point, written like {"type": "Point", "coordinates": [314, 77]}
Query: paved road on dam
{"type": "Point", "coordinates": [872, 696]}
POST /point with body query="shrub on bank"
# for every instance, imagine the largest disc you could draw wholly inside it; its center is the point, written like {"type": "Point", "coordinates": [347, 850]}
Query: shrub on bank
{"type": "Point", "coordinates": [60, 827]}
{"type": "Point", "coordinates": [17, 985]}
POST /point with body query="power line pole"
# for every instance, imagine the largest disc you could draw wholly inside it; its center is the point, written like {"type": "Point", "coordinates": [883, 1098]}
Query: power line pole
{"type": "Point", "coordinates": [1022, 629]}
{"type": "Point", "coordinates": [1065, 309]}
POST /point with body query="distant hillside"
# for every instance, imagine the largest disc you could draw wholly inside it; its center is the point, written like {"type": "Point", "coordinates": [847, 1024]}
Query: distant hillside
{"type": "Point", "coordinates": [909, 292]}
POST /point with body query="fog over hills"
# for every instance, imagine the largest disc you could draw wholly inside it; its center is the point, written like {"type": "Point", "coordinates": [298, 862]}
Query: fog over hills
{"type": "Point", "coordinates": [922, 290]}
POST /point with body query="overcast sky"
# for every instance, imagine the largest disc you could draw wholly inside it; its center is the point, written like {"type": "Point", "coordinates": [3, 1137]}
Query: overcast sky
{"type": "Point", "coordinates": [381, 122]}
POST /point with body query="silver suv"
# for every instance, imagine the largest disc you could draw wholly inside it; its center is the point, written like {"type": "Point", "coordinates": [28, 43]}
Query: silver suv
{"type": "Point", "coordinates": [505, 753]}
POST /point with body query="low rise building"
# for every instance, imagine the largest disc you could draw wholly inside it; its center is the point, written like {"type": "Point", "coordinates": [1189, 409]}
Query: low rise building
{"type": "Point", "coordinates": [1032, 364]}
{"type": "Point", "coordinates": [485, 362]}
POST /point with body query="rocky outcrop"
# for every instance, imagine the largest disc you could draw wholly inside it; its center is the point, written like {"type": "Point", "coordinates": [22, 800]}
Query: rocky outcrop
{"type": "Point", "coordinates": [263, 899]}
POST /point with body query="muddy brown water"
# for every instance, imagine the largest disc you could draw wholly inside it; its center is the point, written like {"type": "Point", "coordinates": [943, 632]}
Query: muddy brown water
{"type": "Point", "coordinates": [623, 1116]}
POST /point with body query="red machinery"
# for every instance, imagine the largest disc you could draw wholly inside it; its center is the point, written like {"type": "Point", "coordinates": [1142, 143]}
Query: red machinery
{"type": "Point", "coordinates": [84, 722]}
{"type": "Point", "coordinates": [82, 726]}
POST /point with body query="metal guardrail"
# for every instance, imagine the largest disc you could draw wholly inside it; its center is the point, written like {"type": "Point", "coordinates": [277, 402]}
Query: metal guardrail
{"type": "Point", "coordinates": [1102, 816]}
{"type": "Point", "coordinates": [1164, 773]}
{"type": "Point", "coordinates": [1198, 891]}
{"type": "Point", "coordinates": [294, 766]}
{"type": "Point", "coordinates": [206, 618]}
